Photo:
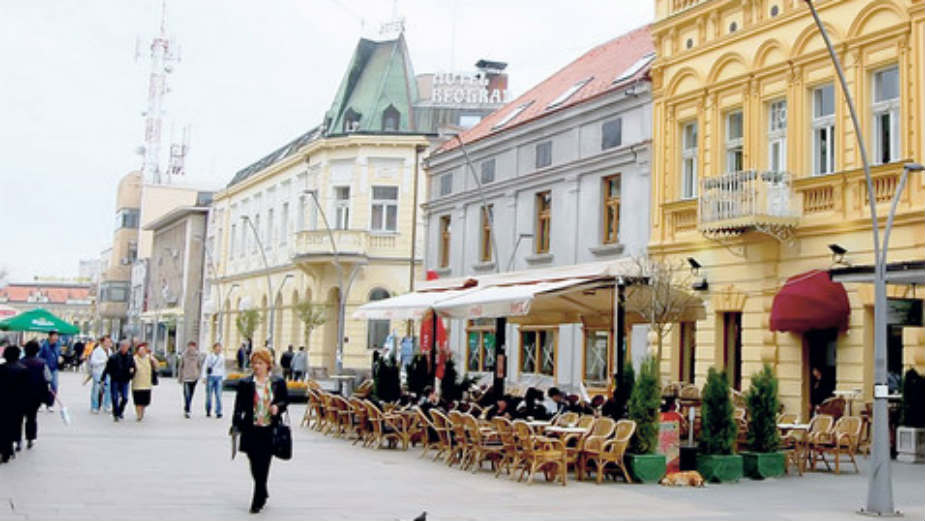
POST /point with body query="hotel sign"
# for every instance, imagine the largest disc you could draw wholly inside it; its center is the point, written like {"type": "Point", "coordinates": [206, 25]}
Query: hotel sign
{"type": "Point", "coordinates": [464, 88]}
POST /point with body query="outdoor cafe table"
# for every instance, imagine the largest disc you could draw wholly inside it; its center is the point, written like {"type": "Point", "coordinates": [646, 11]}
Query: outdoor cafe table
{"type": "Point", "coordinates": [801, 443]}
{"type": "Point", "coordinates": [539, 424]}
{"type": "Point", "coordinates": [559, 431]}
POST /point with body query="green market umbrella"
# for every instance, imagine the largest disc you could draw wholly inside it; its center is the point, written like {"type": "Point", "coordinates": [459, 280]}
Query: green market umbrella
{"type": "Point", "coordinates": [39, 320]}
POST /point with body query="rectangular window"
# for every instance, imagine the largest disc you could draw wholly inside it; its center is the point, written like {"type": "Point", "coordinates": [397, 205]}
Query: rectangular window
{"type": "Point", "coordinates": [270, 229]}
{"type": "Point", "coordinates": [127, 218]}
{"type": "Point", "coordinates": [689, 161]}
{"type": "Point", "coordinates": [597, 357]}
{"type": "Point", "coordinates": [611, 134]}
{"type": "Point", "coordinates": [488, 171]}
{"type": "Point", "coordinates": [538, 351]}
{"type": "Point", "coordinates": [444, 241]}
{"type": "Point", "coordinates": [446, 184]}
{"type": "Point", "coordinates": [611, 214]}
{"type": "Point", "coordinates": [300, 218]}
{"type": "Point", "coordinates": [480, 345]}
{"type": "Point", "coordinates": [256, 231]}
{"type": "Point", "coordinates": [734, 141]}
{"type": "Point", "coordinates": [544, 154]}
{"type": "Point", "coordinates": [245, 233]}
{"type": "Point", "coordinates": [384, 212]}
{"type": "Point", "coordinates": [485, 243]}
{"type": "Point", "coordinates": [232, 252]}
{"type": "Point", "coordinates": [543, 218]}
{"type": "Point", "coordinates": [777, 136]}
{"type": "Point", "coordinates": [342, 208]}
{"type": "Point", "coordinates": [824, 130]}
{"type": "Point", "coordinates": [886, 115]}
{"type": "Point", "coordinates": [284, 225]}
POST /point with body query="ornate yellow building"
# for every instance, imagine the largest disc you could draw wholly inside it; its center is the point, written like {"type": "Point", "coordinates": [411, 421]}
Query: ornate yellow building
{"type": "Point", "coordinates": [756, 172]}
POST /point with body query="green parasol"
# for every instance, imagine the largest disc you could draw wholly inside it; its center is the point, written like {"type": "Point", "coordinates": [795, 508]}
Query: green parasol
{"type": "Point", "coordinates": [38, 320]}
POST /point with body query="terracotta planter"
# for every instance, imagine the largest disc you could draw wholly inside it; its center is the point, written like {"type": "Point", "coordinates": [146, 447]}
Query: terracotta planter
{"type": "Point", "coordinates": [762, 465]}
{"type": "Point", "coordinates": [646, 468]}
{"type": "Point", "coordinates": [720, 468]}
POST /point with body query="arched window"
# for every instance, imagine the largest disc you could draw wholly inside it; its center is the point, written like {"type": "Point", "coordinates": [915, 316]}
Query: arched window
{"type": "Point", "coordinates": [377, 330]}
{"type": "Point", "coordinates": [391, 118]}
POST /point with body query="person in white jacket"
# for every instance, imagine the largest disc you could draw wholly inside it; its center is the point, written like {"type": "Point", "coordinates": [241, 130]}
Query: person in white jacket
{"type": "Point", "coordinates": [95, 366]}
{"type": "Point", "coordinates": [213, 373]}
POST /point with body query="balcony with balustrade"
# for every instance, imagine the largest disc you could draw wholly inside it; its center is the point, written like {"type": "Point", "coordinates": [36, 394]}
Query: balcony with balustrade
{"type": "Point", "coordinates": [351, 246]}
{"type": "Point", "coordinates": [738, 202]}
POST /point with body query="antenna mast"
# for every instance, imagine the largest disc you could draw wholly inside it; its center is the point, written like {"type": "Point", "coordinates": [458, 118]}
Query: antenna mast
{"type": "Point", "coordinates": [163, 53]}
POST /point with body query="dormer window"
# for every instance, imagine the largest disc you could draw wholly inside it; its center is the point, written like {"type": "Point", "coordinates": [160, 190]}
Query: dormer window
{"type": "Point", "coordinates": [390, 119]}
{"type": "Point", "coordinates": [351, 121]}
{"type": "Point", "coordinates": [637, 66]}
{"type": "Point", "coordinates": [511, 115]}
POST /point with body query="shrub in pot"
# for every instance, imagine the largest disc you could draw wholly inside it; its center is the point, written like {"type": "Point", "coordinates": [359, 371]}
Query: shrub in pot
{"type": "Point", "coordinates": [418, 375]}
{"type": "Point", "coordinates": [716, 460]}
{"type": "Point", "coordinates": [763, 460]}
{"type": "Point", "coordinates": [643, 462]}
{"type": "Point", "coordinates": [386, 380]}
{"type": "Point", "coordinates": [910, 435]}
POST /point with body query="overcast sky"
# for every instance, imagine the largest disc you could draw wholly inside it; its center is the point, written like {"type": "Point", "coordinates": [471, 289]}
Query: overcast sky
{"type": "Point", "coordinates": [253, 75]}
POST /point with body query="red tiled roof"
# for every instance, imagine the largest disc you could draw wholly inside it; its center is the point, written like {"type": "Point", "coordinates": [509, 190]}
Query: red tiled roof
{"type": "Point", "coordinates": [603, 64]}
{"type": "Point", "coordinates": [55, 294]}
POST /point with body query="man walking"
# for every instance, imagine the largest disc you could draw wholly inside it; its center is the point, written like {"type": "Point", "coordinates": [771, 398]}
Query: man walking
{"type": "Point", "coordinates": [50, 352]}
{"type": "Point", "coordinates": [242, 356]}
{"type": "Point", "coordinates": [37, 391]}
{"type": "Point", "coordinates": [213, 374]}
{"type": "Point", "coordinates": [285, 362]}
{"type": "Point", "coordinates": [97, 363]}
{"type": "Point", "coordinates": [189, 370]}
{"type": "Point", "coordinates": [121, 369]}
{"type": "Point", "coordinates": [299, 364]}
{"type": "Point", "coordinates": [13, 377]}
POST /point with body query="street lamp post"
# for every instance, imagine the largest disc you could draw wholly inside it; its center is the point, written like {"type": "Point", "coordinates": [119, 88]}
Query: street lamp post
{"type": "Point", "coordinates": [880, 485]}
{"type": "Point", "coordinates": [488, 214]}
{"type": "Point", "coordinates": [266, 271]}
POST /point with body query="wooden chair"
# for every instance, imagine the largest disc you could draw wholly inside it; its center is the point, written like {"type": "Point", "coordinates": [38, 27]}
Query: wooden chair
{"type": "Point", "coordinates": [539, 453]}
{"type": "Point", "coordinates": [611, 451]}
{"type": "Point", "coordinates": [386, 427]}
{"type": "Point", "coordinates": [842, 439]}
{"type": "Point", "coordinates": [509, 459]}
{"type": "Point", "coordinates": [481, 447]}
{"type": "Point", "coordinates": [600, 431]}
{"type": "Point", "coordinates": [819, 427]}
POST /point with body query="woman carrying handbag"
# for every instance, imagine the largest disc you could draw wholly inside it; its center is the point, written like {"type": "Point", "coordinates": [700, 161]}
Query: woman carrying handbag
{"type": "Point", "coordinates": [259, 403]}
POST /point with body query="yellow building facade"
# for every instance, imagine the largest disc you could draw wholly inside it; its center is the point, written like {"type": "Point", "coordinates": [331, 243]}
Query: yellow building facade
{"type": "Point", "coordinates": [365, 188]}
{"type": "Point", "coordinates": [756, 171]}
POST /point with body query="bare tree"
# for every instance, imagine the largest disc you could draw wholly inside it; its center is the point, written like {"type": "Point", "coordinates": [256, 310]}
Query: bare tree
{"type": "Point", "coordinates": [665, 298]}
{"type": "Point", "coordinates": [247, 323]}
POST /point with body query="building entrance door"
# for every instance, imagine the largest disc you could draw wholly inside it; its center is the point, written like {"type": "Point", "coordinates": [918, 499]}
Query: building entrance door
{"type": "Point", "coordinates": [819, 371]}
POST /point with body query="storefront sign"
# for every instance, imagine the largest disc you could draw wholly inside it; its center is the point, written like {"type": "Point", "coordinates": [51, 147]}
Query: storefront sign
{"type": "Point", "coordinates": [904, 312]}
{"type": "Point", "coordinates": [464, 88]}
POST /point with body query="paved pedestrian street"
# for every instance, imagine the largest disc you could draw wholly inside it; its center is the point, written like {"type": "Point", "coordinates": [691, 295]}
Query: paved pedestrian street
{"type": "Point", "coordinates": [171, 468]}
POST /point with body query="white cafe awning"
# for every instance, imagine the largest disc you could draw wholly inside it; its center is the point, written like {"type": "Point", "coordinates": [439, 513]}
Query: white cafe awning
{"type": "Point", "coordinates": [510, 300]}
{"type": "Point", "coordinates": [412, 305]}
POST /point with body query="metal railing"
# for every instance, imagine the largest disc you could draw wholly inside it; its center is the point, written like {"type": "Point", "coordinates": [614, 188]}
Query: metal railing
{"type": "Point", "coordinates": [741, 196]}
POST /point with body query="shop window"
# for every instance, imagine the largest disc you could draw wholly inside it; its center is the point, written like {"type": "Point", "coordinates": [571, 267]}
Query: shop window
{"type": "Point", "coordinates": [611, 212]}
{"type": "Point", "coordinates": [480, 345]}
{"type": "Point", "coordinates": [538, 351]}
{"type": "Point", "coordinates": [598, 356]}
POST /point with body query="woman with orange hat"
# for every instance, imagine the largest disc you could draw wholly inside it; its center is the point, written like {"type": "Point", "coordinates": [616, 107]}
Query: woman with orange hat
{"type": "Point", "coordinates": [259, 403]}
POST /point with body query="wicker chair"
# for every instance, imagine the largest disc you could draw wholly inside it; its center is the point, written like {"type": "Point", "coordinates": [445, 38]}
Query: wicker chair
{"type": "Point", "coordinates": [313, 409]}
{"type": "Point", "coordinates": [566, 419]}
{"type": "Point", "coordinates": [539, 453]}
{"type": "Point", "coordinates": [842, 439]}
{"type": "Point", "coordinates": [833, 406]}
{"type": "Point", "coordinates": [819, 427]}
{"type": "Point", "coordinates": [509, 455]}
{"type": "Point", "coordinates": [610, 451]}
{"type": "Point", "coordinates": [460, 448]}
{"type": "Point", "coordinates": [443, 426]}
{"type": "Point", "coordinates": [481, 447]}
{"type": "Point", "coordinates": [386, 427]}
{"type": "Point", "coordinates": [363, 390]}
{"type": "Point", "coordinates": [344, 416]}
{"type": "Point", "coordinates": [359, 420]}
{"type": "Point", "coordinates": [429, 437]}
{"type": "Point", "coordinates": [600, 431]}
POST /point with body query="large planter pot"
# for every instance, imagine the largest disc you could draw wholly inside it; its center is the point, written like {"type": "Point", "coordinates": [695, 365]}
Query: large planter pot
{"type": "Point", "coordinates": [646, 468]}
{"type": "Point", "coordinates": [720, 468]}
{"type": "Point", "coordinates": [761, 465]}
{"type": "Point", "coordinates": [910, 445]}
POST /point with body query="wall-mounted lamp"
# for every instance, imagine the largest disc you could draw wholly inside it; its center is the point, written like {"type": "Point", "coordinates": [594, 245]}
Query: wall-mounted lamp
{"type": "Point", "coordinates": [700, 281]}
{"type": "Point", "coordinates": [838, 254]}
{"type": "Point", "coordinates": [695, 266]}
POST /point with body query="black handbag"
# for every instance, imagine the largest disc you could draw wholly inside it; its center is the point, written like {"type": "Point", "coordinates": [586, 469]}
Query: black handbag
{"type": "Point", "coordinates": [154, 368]}
{"type": "Point", "coordinates": [282, 438]}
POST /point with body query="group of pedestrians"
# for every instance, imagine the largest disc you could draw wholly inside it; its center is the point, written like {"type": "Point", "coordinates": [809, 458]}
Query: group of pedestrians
{"type": "Point", "coordinates": [25, 385]}
{"type": "Point", "coordinates": [294, 364]}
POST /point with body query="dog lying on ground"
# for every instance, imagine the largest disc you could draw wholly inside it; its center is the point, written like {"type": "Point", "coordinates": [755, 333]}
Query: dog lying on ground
{"type": "Point", "coordinates": [690, 478]}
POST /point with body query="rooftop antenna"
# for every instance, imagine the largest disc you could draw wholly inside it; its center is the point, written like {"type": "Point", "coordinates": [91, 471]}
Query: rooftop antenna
{"type": "Point", "coordinates": [394, 27]}
{"type": "Point", "coordinates": [164, 52]}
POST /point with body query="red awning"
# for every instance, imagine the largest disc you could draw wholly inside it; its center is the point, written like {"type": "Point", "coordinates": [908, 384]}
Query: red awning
{"type": "Point", "coordinates": [810, 301]}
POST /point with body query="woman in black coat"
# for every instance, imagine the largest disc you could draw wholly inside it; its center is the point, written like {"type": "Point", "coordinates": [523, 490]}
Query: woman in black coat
{"type": "Point", "coordinates": [259, 403]}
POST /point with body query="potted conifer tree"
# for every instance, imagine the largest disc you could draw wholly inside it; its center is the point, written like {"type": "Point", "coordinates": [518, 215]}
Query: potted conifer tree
{"type": "Point", "coordinates": [644, 464]}
{"type": "Point", "coordinates": [910, 435]}
{"type": "Point", "coordinates": [717, 461]}
{"type": "Point", "coordinates": [763, 460]}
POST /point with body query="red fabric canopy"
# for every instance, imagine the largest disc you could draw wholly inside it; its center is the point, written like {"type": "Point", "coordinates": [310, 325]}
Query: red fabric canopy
{"type": "Point", "coordinates": [810, 301]}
